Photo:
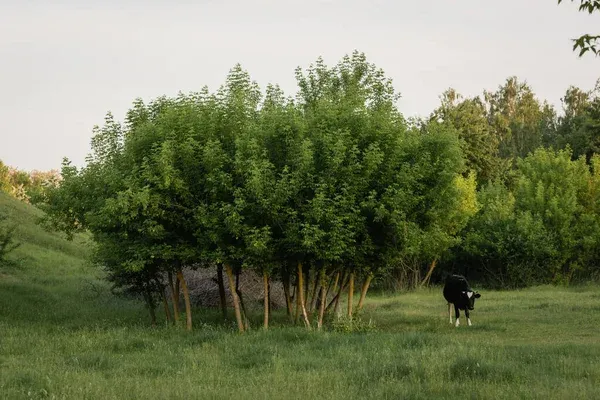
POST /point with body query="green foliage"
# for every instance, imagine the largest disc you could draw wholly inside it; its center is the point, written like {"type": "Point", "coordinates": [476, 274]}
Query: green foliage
{"type": "Point", "coordinates": [352, 126]}
{"type": "Point", "coordinates": [579, 128]}
{"type": "Point", "coordinates": [478, 140]}
{"type": "Point", "coordinates": [30, 187]}
{"type": "Point", "coordinates": [5, 185]}
{"type": "Point", "coordinates": [7, 240]}
{"type": "Point", "coordinates": [587, 42]}
{"type": "Point", "coordinates": [545, 229]}
{"type": "Point", "coordinates": [515, 116]}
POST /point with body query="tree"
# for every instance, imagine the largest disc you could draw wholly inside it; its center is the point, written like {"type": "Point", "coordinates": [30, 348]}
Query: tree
{"type": "Point", "coordinates": [479, 143]}
{"type": "Point", "coordinates": [346, 112]}
{"type": "Point", "coordinates": [579, 128]}
{"type": "Point", "coordinates": [131, 199]}
{"type": "Point", "coordinates": [434, 198]}
{"type": "Point", "coordinates": [263, 188]}
{"type": "Point", "coordinates": [516, 117]}
{"type": "Point", "coordinates": [587, 42]}
{"type": "Point", "coordinates": [217, 184]}
{"type": "Point", "coordinates": [549, 125]}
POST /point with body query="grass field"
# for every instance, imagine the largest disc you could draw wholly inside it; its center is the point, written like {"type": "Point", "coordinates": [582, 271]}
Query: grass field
{"type": "Point", "coordinates": [64, 336]}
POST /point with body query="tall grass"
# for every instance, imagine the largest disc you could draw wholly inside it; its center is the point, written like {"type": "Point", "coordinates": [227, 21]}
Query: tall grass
{"type": "Point", "coordinates": [63, 335]}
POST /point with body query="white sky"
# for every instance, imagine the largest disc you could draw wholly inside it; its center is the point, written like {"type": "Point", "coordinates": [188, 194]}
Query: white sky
{"type": "Point", "coordinates": [63, 66]}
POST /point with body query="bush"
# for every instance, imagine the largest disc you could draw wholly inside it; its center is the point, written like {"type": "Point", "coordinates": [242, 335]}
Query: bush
{"type": "Point", "coordinates": [7, 243]}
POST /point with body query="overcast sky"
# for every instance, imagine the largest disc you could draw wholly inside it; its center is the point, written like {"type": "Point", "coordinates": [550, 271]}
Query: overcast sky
{"type": "Point", "coordinates": [64, 64]}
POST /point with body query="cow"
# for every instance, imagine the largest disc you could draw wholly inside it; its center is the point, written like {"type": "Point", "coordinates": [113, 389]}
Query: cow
{"type": "Point", "coordinates": [458, 292]}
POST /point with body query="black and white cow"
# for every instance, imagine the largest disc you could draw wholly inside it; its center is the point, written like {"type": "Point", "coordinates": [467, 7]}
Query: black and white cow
{"type": "Point", "coordinates": [458, 292]}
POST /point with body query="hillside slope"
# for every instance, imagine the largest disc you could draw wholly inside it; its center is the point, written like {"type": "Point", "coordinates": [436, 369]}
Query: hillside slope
{"type": "Point", "coordinates": [49, 279]}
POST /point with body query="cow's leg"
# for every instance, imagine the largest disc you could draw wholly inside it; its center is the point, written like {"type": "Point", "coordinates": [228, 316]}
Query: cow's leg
{"type": "Point", "coordinates": [450, 311]}
{"type": "Point", "coordinates": [467, 315]}
{"type": "Point", "coordinates": [457, 313]}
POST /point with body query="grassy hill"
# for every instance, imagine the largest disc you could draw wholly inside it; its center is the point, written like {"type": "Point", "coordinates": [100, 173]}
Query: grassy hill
{"type": "Point", "coordinates": [63, 335]}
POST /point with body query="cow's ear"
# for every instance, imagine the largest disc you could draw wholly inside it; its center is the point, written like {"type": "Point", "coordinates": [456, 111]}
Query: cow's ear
{"type": "Point", "coordinates": [477, 295]}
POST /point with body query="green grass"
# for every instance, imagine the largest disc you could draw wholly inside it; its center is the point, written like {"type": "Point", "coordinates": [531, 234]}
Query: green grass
{"type": "Point", "coordinates": [64, 336]}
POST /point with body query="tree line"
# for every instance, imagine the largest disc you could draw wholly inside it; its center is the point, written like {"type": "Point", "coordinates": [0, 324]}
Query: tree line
{"type": "Point", "coordinates": [29, 187]}
{"type": "Point", "coordinates": [333, 189]}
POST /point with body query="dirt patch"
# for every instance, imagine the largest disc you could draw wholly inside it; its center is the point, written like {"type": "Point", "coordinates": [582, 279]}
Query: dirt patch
{"type": "Point", "coordinates": [204, 289]}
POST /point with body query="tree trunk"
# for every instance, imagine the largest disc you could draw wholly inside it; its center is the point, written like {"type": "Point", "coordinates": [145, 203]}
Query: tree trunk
{"type": "Point", "coordinates": [323, 300]}
{"type": "Point", "coordinates": [350, 294]}
{"type": "Point", "coordinates": [234, 296]}
{"type": "Point", "coordinates": [336, 305]}
{"type": "Point", "coordinates": [174, 298]}
{"type": "Point", "coordinates": [313, 297]}
{"type": "Point", "coordinates": [429, 273]}
{"type": "Point", "coordinates": [416, 278]}
{"type": "Point", "coordinates": [298, 307]}
{"type": "Point", "coordinates": [244, 311]}
{"type": "Point", "coordinates": [301, 297]}
{"type": "Point", "coordinates": [222, 290]}
{"type": "Point", "coordinates": [271, 304]}
{"type": "Point", "coordinates": [167, 309]}
{"type": "Point", "coordinates": [241, 297]}
{"type": "Point", "coordinates": [285, 281]}
{"type": "Point", "coordinates": [333, 285]}
{"type": "Point", "coordinates": [186, 298]}
{"type": "Point", "coordinates": [306, 285]}
{"type": "Point", "coordinates": [165, 301]}
{"type": "Point", "coordinates": [336, 299]}
{"type": "Point", "coordinates": [363, 292]}
{"type": "Point", "coordinates": [266, 289]}
{"type": "Point", "coordinates": [150, 305]}
{"type": "Point", "coordinates": [177, 292]}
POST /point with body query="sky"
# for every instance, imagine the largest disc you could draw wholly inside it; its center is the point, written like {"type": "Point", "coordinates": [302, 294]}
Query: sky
{"type": "Point", "coordinates": [64, 65]}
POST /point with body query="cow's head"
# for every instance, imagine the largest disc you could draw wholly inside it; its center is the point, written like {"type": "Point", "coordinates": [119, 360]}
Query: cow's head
{"type": "Point", "coordinates": [469, 298]}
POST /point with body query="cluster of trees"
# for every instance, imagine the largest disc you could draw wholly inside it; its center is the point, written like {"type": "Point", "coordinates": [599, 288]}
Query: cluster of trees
{"type": "Point", "coordinates": [331, 188]}
{"type": "Point", "coordinates": [537, 185]}
{"type": "Point", "coordinates": [323, 191]}
{"type": "Point", "coordinates": [29, 187]}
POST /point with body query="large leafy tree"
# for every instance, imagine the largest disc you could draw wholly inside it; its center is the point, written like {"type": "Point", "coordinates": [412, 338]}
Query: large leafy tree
{"type": "Point", "coordinates": [222, 225]}
{"type": "Point", "coordinates": [434, 200]}
{"type": "Point", "coordinates": [516, 116]}
{"type": "Point", "coordinates": [131, 198]}
{"type": "Point", "coordinates": [579, 127]}
{"type": "Point", "coordinates": [479, 143]}
{"type": "Point", "coordinates": [351, 123]}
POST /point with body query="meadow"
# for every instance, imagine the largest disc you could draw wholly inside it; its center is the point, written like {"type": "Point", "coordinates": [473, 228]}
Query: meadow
{"type": "Point", "coordinates": [63, 335]}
